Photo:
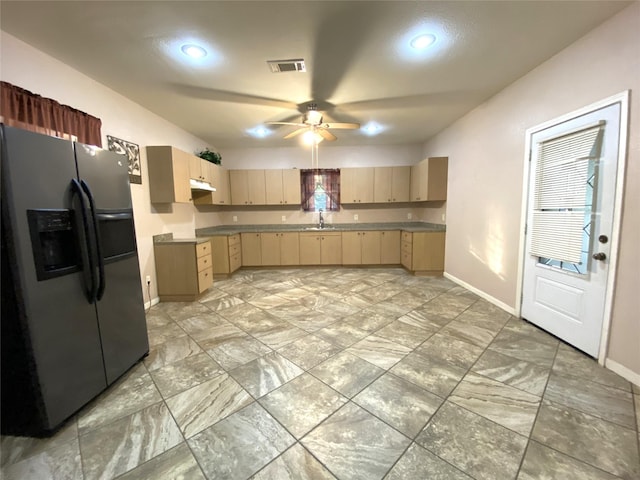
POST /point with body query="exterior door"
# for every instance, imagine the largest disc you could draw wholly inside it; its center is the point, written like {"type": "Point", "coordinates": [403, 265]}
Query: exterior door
{"type": "Point", "coordinates": [569, 226]}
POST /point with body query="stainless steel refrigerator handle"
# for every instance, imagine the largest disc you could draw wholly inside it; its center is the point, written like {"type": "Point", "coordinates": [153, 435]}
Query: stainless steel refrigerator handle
{"type": "Point", "coordinates": [93, 289]}
{"type": "Point", "coordinates": [96, 232]}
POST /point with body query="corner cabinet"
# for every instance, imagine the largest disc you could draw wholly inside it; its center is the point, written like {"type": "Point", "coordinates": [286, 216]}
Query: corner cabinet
{"type": "Point", "coordinates": [169, 175]}
{"type": "Point", "coordinates": [184, 269]}
{"type": "Point", "coordinates": [226, 254]}
{"type": "Point", "coordinates": [423, 252]}
{"type": "Point", "coordinates": [429, 180]}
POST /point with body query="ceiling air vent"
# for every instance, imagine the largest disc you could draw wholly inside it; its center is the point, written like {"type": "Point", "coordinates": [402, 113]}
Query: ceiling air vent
{"type": "Point", "coordinates": [295, 65]}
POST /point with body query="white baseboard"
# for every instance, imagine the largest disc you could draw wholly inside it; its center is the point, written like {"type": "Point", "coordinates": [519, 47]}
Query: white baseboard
{"type": "Point", "coordinates": [481, 294]}
{"type": "Point", "coordinates": [623, 371]}
{"type": "Point", "coordinates": [154, 301]}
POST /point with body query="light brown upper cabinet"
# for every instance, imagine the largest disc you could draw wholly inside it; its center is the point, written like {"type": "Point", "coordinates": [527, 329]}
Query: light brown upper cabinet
{"type": "Point", "coordinates": [429, 179]}
{"type": "Point", "coordinates": [200, 169]}
{"type": "Point", "coordinates": [220, 180]}
{"type": "Point", "coordinates": [356, 185]}
{"type": "Point", "coordinates": [391, 184]}
{"type": "Point", "coordinates": [168, 174]}
{"type": "Point", "coordinates": [282, 187]}
{"type": "Point", "coordinates": [248, 187]}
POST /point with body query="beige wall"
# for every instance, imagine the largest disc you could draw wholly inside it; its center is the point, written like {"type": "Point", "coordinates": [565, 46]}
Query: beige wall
{"type": "Point", "coordinates": [486, 167]}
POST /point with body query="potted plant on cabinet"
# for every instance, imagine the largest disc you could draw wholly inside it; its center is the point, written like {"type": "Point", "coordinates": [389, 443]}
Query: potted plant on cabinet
{"type": "Point", "coordinates": [210, 156]}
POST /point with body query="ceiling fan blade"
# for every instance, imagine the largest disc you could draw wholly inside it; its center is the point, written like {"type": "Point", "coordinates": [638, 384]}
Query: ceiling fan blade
{"type": "Point", "coordinates": [296, 132]}
{"type": "Point", "coordinates": [350, 126]}
{"type": "Point", "coordinates": [285, 123]}
{"type": "Point", "coordinates": [326, 134]}
{"type": "Point", "coordinates": [231, 97]}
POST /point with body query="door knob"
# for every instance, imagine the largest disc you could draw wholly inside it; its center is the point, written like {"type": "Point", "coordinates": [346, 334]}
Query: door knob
{"type": "Point", "coordinates": [599, 256]}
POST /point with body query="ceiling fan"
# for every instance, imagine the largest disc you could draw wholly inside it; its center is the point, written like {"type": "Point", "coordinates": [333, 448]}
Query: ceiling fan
{"type": "Point", "coordinates": [312, 122]}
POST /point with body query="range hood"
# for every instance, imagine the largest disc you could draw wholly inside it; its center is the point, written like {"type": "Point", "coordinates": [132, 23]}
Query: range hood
{"type": "Point", "coordinates": [203, 186]}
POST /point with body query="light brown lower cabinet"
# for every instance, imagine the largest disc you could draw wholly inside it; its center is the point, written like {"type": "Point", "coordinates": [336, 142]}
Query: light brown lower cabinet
{"type": "Point", "coordinates": [423, 252]}
{"type": "Point", "coordinates": [251, 249]}
{"type": "Point", "coordinates": [183, 270]}
{"type": "Point", "coordinates": [280, 248]}
{"type": "Point", "coordinates": [226, 253]}
{"type": "Point", "coordinates": [320, 248]}
{"type": "Point", "coordinates": [390, 247]}
{"type": "Point", "coordinates": [361, 248]}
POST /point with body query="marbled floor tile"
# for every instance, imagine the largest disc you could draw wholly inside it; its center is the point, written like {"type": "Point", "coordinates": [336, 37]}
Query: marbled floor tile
{"type": "Point", "coordinates": [293, 293]}
{"type": "Point", "coordinates": [404, 333]}
{"type": "Point", "coordinates": [238, 351]}
{"type": "Point", "coordinates": [482, 306]}
{"type": "Point", "coordinates": [636, 388]}
{"type": "Point", "coordinates": [401, 404]}
{"type": "Point", "coordinates": [505, 405]}
{"type": "Point", "coordinates": [447, 306]}
{"type": "Point", "coordinates": [242, 310]}
{"type": "Point", "coordinates": [129, 394]}
{"type": "Point", "coordinates": [281, 335]}
{"type": "Point", "coordinates": [240, 445]}
{"type": "Point", "coordinates": [636, 400]}
{"type": "Point", "coordinates": [166, 332]}
{"type": "Point", "coordinates": [181, 310]}
{"type": "Point", "coordinates": [199, 324]}
{"type": "Point", "coordinates": [543, 462]}
{"type": "Point", "coordinates": [177, 463]}
{"type": "Point", "coordinates": [570, 361]}
{"type": "Point", "coordinates": [608, 403]}
{"type": "Point", "coordinates": [216, 336]}
{"type": "Point", "coordinates": [264, 374]}
{"type": "Point", "coordinates": [526, 376]}
{"type": "Point", "coordinates": [294, 464]}
{"type": "Point", "coordinates": [353, 444]}
{"type": "Point", "coordinates": [377, 294]}
{"type": "Point", "coordinates": [493, 323]}
{"type": "Point", "coordinates": [202, 406]}
{"type": "Point", "coordinates": [269, 301]}
{"type": "Point", "coordinates": [341, 333]}
{"type": "Point", "coordinates": [120, 446]}
{"type": "Point", "coordinates": [156, 317]}
{"type": "Point", "coordinates": [357, 300]}
{"type": "Point", "coordinates": [258, 321]}
{"type": "Point", "coordinates": [312, 321]}
{"type": "Point", "coordinates": [475, 445]}
{"type": "Point", "coordinates": [597, 442]}
{"type": "Point", "coordinates": [346, 373]}
{"type": "Point", "coordinates": [424, 292]}
{"type": "Point", "coordinates": [420, 464]}
{"type": "Point", "coordinates": [224, 303]}
{"type": "Point", "coordinates": [523, 347]}
{"type": "Point", "coordinates": [290, 310]}
{"type": "Point", "coordinates": [171, 351]}
{"type": "Point", "coordinates": [184, 374]}
{"type": "Point", "coordinates": [408, 300]}
{"type": "Point", "coordinates": [302, 404]}
{"type": "Point", "coordinates": [369, 320]}
{"type": "Point", "coordinates": [419, 318]}
{"type": "Point", "coordinates": [309, 351]}
{"type": "Point", "coordinates": [315, 301]}
{"type": "Point", "coordinates": [469, 333]}
{"type": "Point", "coordinates": [213, 294]}
{"type": "Point", "coordinates": [431, 374]}
{"type": "Point", "coordinates": [458, 290]}
{"type": "Point", "coordinates": [14, 449]}
{"type": "Point", "coordinates": [379, 351]}
{"type": "Point", "coordinates": [525, 328]}
{"type": "Point", "coordinates": [450, 350]}
{"type": "Point", "coordinates": [338, 309]}
{"type": "Point", "coordinates": [61, 462]}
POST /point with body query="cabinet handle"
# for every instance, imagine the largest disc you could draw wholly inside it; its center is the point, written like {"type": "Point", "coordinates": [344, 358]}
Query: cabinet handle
{"type": "Point", "coordinates": [388, 199]}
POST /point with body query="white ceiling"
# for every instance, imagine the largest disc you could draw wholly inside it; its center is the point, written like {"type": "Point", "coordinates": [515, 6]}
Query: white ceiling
{"type": "Point", "coordinates": [359, 65]}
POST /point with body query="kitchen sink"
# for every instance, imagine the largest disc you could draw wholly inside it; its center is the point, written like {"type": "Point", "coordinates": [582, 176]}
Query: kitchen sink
{"type": "Point", "coordinates": [318, 229]}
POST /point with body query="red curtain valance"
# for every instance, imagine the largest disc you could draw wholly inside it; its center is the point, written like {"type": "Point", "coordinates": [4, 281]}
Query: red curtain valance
{"type": "Point", "coordinates": [23, 109]}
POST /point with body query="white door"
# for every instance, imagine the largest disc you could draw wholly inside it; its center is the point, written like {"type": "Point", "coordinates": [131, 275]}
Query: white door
{"type": "Point", "coordinates": [569, 226]}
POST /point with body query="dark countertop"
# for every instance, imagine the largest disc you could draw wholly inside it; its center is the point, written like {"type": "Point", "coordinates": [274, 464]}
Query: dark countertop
{"type": "Point", "coordinates": [333, 227]}
{"type": "Point", "coordinates": [168, 238]}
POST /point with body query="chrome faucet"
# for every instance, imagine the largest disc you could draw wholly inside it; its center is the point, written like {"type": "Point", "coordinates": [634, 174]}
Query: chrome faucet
{"type": "Point", "coordinates": [320, 219]}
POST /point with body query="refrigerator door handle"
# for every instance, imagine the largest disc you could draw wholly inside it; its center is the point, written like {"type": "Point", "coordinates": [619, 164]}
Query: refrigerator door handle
{"type": "Point", "coordinates": [98, 244]}
{"type": "Point", "coordinates": [85, 241]}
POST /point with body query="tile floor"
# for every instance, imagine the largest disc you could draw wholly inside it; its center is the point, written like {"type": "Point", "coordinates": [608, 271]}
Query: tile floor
{"type": "Point", "coordinates": [347, 374]}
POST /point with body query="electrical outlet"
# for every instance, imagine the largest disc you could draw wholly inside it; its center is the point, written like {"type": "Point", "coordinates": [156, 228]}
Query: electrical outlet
{"type": "Point", "coordinates": [284, 218]}
{"type": "Point", "coordinates": [444, 217]}
{"type": "Point", "coordinates": [235, 218]}
{"type": "Point", "coordinates": [148, 279]}
{"type": "Point", "coordinates": [409, 216]}
{"type": "Point", "coordinates": [355, 217]}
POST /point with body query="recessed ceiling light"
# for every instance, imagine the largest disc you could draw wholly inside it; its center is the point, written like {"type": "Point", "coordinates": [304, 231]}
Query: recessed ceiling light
{"type": "Point", "coordinates": [422, 41]}
{"type": "Point", "coordinates": [371, 129]}
{"type": "Point", "coordinates": [193, 51]}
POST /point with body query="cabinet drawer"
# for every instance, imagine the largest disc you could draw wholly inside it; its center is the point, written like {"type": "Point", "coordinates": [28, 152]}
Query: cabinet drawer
{"type": "Point", "coordinates": [407, 237]}
{"type": "Point", "coordinates": [407, 260]}
{"type": "Point", "coordinates": [203, 249]}
{"type": "Point", "coordinates": [407, 248]}
{"type": "Point", "coordinates": [234, 249]}
{"type": "Point", "coordinates": [234, 239]}
{"type": "Point", "coordinates": [235, 262]}
{"type": "Point", "coordinates": [205, 279]}
{"type": "Point", "coordinates": [204, 262]}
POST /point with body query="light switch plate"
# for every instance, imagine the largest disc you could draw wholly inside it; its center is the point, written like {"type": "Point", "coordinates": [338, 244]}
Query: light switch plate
{"type": "Point", "coordinates": [284, 218]}
{"type": "Point", "coordinates": [409, 216]}
{"type": "Point", "coordinates": [355, 217]}
{"type": "Point", "coordinates": [443, 217]}
{"type": "Point", "coordinates": [235, 218]}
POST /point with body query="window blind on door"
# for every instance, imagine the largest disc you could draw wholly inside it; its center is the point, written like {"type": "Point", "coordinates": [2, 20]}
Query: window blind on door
{"type": "Point", "coordinates": [560, 202]}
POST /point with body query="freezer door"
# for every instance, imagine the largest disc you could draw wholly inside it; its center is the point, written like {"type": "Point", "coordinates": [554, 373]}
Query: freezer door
{"type": "Point", "coordinates": [62, 326]}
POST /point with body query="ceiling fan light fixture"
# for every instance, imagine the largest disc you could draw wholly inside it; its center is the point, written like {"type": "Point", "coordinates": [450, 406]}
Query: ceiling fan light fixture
{"type": "Point", "coordinates": [313, 117]}
{"type": "Point", "coordinates": [193, 51]}
{"type": "Point", "coordinates": [312, 138]}
{"type": "Point", "coordinates": [422, 41]}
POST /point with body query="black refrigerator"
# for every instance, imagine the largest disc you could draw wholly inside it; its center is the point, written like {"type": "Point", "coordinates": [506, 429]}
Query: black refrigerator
{"type": "Point", "coordinates": [73, 317]}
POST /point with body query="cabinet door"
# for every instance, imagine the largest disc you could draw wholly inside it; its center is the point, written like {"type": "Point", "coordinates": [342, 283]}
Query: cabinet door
{"type": "Point", "coordinates": [390, 247]}
{"type": "Point", "coordinates": [206, 170]}
{"type": "Point", "coordinates": [437, 178]}
{"type": "Point", "coordinates": [270, 248]}
{"type": "Point", "coordinates": [257, 187]}
{"type": "Point", "coordinates": [364, 184]}
{"type": "Point", "coordinates": [220, 180]}
{"type": "Point", "coordinates": [382, 179]}
{"type": "Point", "coordinates": [238, 180]}
{"type": "Point", "coordinates": [251, 249]}
{"type": "Point", "coordinates": [428, 251]}
{"type": "Point", "coordinates": [309, 249]}
{"type": "Point", "coordinates": [168, 175]}
{"type": "Point", "coordinates": [195, 170]}
{"type": "Point", "coordinates": [331, 249]}
{"type": "Point", "coordinates": [418, 182]}
{"type": "Point", "coordinates": [274, 188]}
{"type": "Point", "coordinates": [220, 254]}
{"type": "Point", "coordinates": [351, 248]}
{"type": "Point", "coordinates": [289, 248]}
{"type": "Point", "coordinates": [370, 248]}
{"type": "Point", "coordinates": [347, 185]}
{"type": "Point", "coordinates": [291, 190]}
{"type": "Point", "coordinates": [400, 184]}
